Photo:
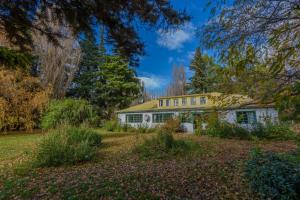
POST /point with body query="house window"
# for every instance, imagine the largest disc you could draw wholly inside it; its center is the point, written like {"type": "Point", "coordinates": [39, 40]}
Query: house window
{"type": "Point", "coordinates": [134, 118]}
{"type": "Point", "coordinates": [183, 101]}
{"type": "Point", "coordinates": [161, 117]}
{"type": "Point", "coordinates": [193, 101]}
{"type": "Point", "coordinates": [246, 117]}
{"type": "Point", "coordinates": [161, 103]}
{"type": "Point", "coordinates": [202, 100]}
{"type": "Point", "coordinates": [168, 102]}
{"type": "Point", "coordinates": [175, 102]}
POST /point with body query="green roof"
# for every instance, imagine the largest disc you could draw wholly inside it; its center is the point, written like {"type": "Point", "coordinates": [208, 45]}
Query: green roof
{"type": "Point", "coordinates": [147, 106]}
{"type": "Point", "coordinates": [215, 101]}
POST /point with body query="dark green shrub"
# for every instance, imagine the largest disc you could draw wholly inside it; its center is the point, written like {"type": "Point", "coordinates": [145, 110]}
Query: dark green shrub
{"type": "Point", "coordinates": [280, 131]}
{"type": "Point", "coordinates": [227, 130]}
{"type": "Point", "coordinates": [260, 131]}
{"type": "Point", "coordinates": [68, 111]}
{"type": "Point", "coordinates": [67, 145]}
{"type": "Point", "coordinates": [113, 126]}
{"type": "Point", "coordinates": [164, 144]}
{"type": "Point", "coordinates": [272, 176]}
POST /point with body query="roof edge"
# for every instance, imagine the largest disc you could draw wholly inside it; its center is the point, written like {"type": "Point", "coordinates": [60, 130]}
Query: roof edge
{"type": "Point", "coordinates": [201, 108]}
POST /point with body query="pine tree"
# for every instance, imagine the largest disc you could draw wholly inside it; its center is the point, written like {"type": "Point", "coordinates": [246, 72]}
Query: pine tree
{"type": "Point", "coordinates": [206, 76]}
{"type": "Point", "coordinates": [84, 81]}
{"type": "Point", "coordinates": [106, 81]}
{"type": "Point", "coordinates": [102, 50]}
{"type": "Point", "coordinates": [116, 86]}
{"type": "Point", "coordinates": [199, 66]}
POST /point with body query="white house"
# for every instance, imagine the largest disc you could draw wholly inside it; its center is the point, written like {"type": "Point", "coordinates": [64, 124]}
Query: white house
{"type": "Point", "coordinates": [237, 109]}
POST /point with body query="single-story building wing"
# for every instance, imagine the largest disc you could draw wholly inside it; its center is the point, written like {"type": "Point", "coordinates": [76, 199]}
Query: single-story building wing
{"type": "Point", "coordinates": [237, 109]}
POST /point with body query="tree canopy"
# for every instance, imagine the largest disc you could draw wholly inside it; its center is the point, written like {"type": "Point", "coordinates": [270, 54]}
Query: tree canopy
{"type": "Point", "coordinates": [205, 72]}
{"type": "Point", "coordinates": [259, 40]}
{"type": "Point", "coordinates": [106, 81]}
{"type": "Point", "coordinates": [116, 85]}
{"type": "Point", "coordinates": [19, 18]}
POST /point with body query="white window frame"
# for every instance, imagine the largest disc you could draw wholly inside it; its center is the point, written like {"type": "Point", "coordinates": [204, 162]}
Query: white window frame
{"type": "Point", "coordinates": [176, 102]}
{"type": "Point", "coordinates": [183, 101]}
{"type": "Point", "coordinates": [202, 100]}
{"type": "Point", "coordinates": [193, 101]}
{"type": "Point", "coordinates": [167, 102]}
{"type": "Point", "coordinates": [161, 117]}
{"type": "Point", "coordinates": [136, 118]}
{"type": "Point", "coordinates": [246, 116]}
{"type": "Point", "coordinates": [161, 103]}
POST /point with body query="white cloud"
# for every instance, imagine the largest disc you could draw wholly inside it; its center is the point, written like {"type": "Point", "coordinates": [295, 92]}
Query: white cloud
{"type": "Point", "coordinates": [153, 82]}
{"type": "Point", "coordinates": [184, 59]}
{"type": "Point", "coordinates": [174, 39]}
{"type": "Point", "coordinates": [190, 55]}
{"type": "Point", "coordinates": [170, 60]}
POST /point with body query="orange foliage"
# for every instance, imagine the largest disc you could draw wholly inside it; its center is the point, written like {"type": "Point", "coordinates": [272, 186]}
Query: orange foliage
{"type": "Point", "coordinates": [22, 100]}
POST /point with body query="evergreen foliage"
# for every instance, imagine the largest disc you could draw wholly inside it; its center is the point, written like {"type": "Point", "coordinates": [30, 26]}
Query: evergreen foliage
{"type": "Point", "coordinates": [13, 59]}
{"type": "Point", "coordinates": [68, 111]}
{"type": "Point", "coordinates": [116, 85]}
{"type": "Point", "coordinates": [84, 82]}
{"type": "Point", "coordinates": [205, 74]}
{"type": "Point", "coordinates": [106, 81]}
{"type": "Point", "coordinates": [18, 20]}
{"type": "Point", "coordinates": [272, 176]}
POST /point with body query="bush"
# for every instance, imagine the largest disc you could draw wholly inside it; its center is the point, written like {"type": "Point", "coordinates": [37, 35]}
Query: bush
{"type": "Point", "coordinates": [171, 126]}
{"type": "Point", "coordinates": [260, 131]}
{"type": "Point", "coordinates": [68, 111]}
{"type": "Point", "coordinates": [67, 145]}
{"type": "Point", "coordinates": [164, 144]}
{"type": "Point", "coordinates": [280, 131]}
{"type": "Point", "coordinates": [272, 176]}
{"type": "Point", "coordinates": [227, 130]}
{"type": "Point", "coordinates": [113, 126]}
{"type": "Point", "coordinates": [22, 100]}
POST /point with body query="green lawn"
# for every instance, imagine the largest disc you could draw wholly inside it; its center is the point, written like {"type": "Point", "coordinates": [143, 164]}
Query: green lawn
{"type": "Point", "coordinates": [17, 148]}
{"type": "Point", "coordinates": [118, 173]}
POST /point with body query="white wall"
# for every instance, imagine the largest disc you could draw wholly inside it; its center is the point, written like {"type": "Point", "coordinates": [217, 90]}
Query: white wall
{"type": "Point", "coordinates": [149, 124]}
{"type": "Point", "coordinates": [262, 114]}
{"type": "Point", "coordinates": [228, 116]}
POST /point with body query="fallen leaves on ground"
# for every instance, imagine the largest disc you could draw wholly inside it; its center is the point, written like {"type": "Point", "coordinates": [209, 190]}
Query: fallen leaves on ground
{"type": "Point", "coordinates": [120, 174]}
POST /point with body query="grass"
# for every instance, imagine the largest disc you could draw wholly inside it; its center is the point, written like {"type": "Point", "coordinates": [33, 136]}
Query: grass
{"type": "Point", "coordinates": [17, 148]}
{"type": "Point", "coordinates": [164, 145]}
{"type": "Point", "coordinates": [67, 146]}
{"type": "Point", "coordinates": [117, 173]}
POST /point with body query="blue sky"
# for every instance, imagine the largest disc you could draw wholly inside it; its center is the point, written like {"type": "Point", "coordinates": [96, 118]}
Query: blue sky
{"type": "Point", "coordinates": [163, 50]}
